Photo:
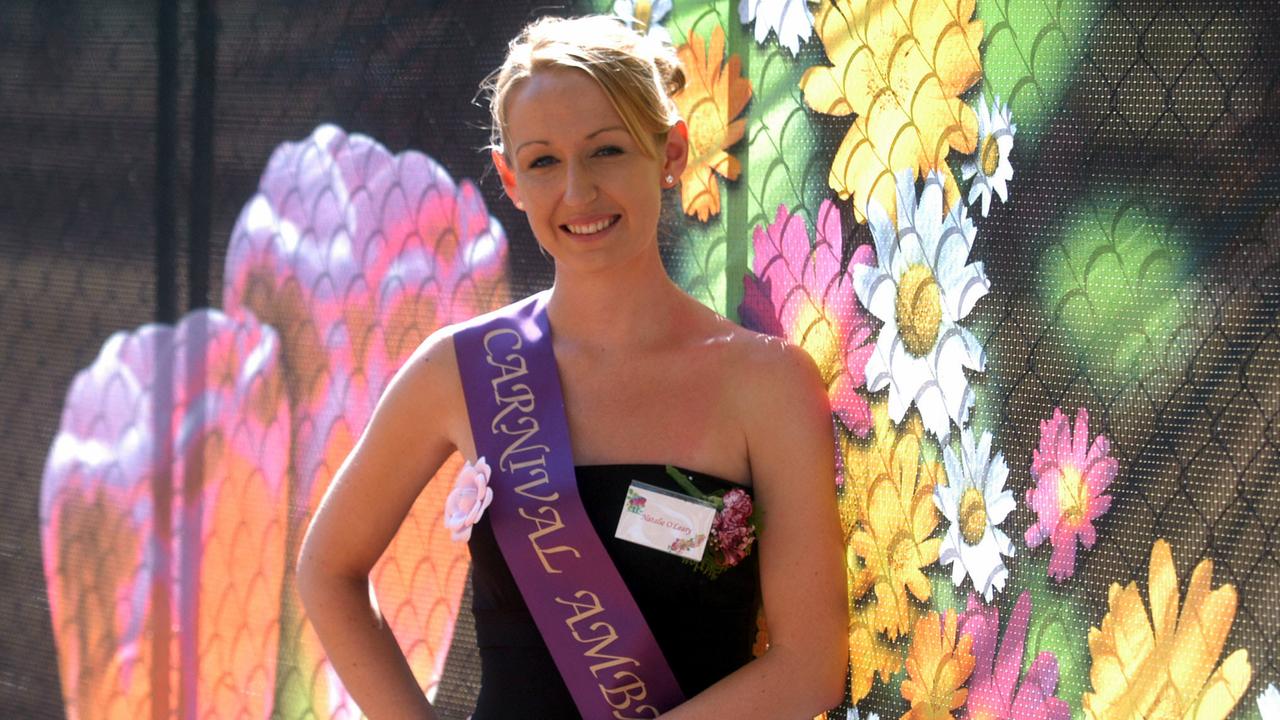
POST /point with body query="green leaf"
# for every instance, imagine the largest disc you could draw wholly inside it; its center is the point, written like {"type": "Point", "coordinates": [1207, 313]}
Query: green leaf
{"type": "Point", "coordinates": [1112, 284]}
{"type": "Point", "coordinates": [1031, 48]}
{"type": "Point", "coordinates": [1058, 625]}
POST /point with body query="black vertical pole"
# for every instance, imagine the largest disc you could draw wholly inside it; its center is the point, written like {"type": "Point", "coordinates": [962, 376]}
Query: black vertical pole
{"type": "Point", "coordinates": [166, 312]}
{"type": "Point", "coordinates": [202, 166]}
{"type": "Point", "coordinates": [166, 159]}
{"type": "Point", "coordinates": [197, 343]}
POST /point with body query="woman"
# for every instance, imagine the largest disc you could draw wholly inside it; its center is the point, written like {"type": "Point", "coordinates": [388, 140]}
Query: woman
{"type": "Point", "coordinates": [586, 139]}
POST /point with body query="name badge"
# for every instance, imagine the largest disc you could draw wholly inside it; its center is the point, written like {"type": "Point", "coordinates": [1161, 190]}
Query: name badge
{"type": "Point", "coordinates": [666, 521]}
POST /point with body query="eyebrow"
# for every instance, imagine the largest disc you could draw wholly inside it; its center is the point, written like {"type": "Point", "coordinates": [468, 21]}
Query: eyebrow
{"type": "Point", "coordinates": [589, 136]}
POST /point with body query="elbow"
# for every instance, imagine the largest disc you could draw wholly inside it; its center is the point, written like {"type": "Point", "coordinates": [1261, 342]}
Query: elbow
{"type": "Point", "coordinates": [320, 579]}
{"type": "Point", "coordinates": [311, 576]}
{"type": "Point", "coordinates": [832, 689]}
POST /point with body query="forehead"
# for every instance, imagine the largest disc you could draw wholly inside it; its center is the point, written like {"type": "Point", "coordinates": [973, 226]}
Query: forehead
{"type": "Point", "coordinates": [557, 105]}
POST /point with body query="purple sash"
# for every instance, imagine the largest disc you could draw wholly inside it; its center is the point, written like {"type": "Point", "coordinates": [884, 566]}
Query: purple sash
{"type": "Point", "coordinates": [600, 642]}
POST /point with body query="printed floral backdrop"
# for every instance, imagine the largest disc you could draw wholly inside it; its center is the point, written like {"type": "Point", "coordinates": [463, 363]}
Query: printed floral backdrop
{"type": "Point", "coordinates": [1033, 246]}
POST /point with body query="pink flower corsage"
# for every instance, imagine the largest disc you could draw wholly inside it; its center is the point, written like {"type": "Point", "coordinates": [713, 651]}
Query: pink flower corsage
{"type": "Point", "coordinates": [733, 531]}
{"type": "Point", "coordinates": [467, 501]}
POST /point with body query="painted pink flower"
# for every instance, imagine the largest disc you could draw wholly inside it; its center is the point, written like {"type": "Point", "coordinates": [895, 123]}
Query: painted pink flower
{"type": "Point", "coordinates": [163, 515]}
{"type": "Point", "coordinates": [1071, 472]}
{"type": "Point", "coordinates": [355, 255]}
{"type": "Point", "coordinates": [799, 292]}
{"type": "Point", "coordinates": [468, 500]}
{"type": "Point", "coordinates": [995, 690]}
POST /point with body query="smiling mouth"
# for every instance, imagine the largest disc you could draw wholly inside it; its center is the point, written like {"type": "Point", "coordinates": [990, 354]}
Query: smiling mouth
{"type": "Point", "coordinates": [591, 228]}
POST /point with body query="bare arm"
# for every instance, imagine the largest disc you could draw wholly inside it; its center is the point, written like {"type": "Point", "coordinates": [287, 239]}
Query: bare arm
{"type": "Point", "coordinates": [413, 430]}
{"type": "Point", "coordinates": [802, 576]}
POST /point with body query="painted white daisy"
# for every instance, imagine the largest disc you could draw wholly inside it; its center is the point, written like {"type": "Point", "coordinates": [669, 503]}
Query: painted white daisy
{"type": "Point", "coordinates": [791, 20]}
{"type": "Point", "coordinates": [989, 167]}
{"type": "Point", "coordinates": [921, 288]}
{"type": "Point", "coordinates": [975, 502]}
{"type": "Point", "coordinates": [853, 715]}
{"type": "Point", "coordinates": [1269, 703]}
{"type": "Point", "coordinates": [644, 16]}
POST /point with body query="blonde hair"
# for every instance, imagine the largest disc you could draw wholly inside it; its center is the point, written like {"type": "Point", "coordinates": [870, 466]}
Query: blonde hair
{"type": "Point", "coordinates": [638, 74]}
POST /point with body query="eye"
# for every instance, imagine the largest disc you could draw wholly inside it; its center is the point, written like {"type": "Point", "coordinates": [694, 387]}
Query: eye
{"type": "Point", "coordinates": [541, 161]}
{"type": "Point", "coordinates": [609, 150]}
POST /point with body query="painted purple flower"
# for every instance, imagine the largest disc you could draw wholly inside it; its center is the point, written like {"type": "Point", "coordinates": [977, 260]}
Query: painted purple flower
{"type": "Point", "coordinates": [162, 516]}
{"type": "Point", "coordinates": [1071, 473]}
{"type": "Point", "coordinates": [995, 690]}
{"type": "Point", "coordinates": [799, 292]}
{"type": "Point", "coordinates": [355, 256]}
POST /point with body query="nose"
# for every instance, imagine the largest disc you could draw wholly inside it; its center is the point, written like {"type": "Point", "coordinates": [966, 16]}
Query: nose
{"type": "Point", "coordinates": [579, 184]}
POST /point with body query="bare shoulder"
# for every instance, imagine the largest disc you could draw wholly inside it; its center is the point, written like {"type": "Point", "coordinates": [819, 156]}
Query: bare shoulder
{"type": "Point", "coordinates": [780, 400]}
{"type": "Point", "coordinates": [432, 365]}
{"type": "Point", "coordinates": [427, 390]}
{"type": "Point", "coordinates": [768, 372]}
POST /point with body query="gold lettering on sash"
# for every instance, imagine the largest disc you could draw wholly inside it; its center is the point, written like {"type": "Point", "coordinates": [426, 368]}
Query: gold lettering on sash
{"type": "Point", "coordinates": [523, 455]}
{"type": "Point", "coordinates": [632, 691]}
{"type": "Point", "coordinates": [529, 428]}
{"type": "Point", "coordinates": [584, 610]}
{"type": "Point", "coordinates": [540, 478]}
{"type": "Point", "coordinates": [537, 469]}
{"type": "Point", "coordinates": [544, 527]}
{"type": "Point", "coordinates": [610, 661]}
{"type": "Point", "coordinates": [587, 605]}
{"type": "Point", "coordinates": [523, 402]}
{"type": "Point", "coordinates": [538, 462]}
{"type": "Point", "coordinates": [514, 366]}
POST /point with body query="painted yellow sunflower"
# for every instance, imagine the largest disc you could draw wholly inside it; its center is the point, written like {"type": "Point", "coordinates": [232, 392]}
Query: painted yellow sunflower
{"type": "Point", "coordinates": [715, 93]}
{"type": "Point", "coordinates": [888, 493]}
{"type": "Point", "coordinates": [1163, 665]}
{"type": "Point", "coordinates": [870, 652]}
{"type": "Point", "coordinates": [900, 67]}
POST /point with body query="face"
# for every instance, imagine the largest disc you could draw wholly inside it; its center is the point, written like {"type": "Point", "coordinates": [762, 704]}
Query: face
{"type": "Point", "coordinates": [591, 195]}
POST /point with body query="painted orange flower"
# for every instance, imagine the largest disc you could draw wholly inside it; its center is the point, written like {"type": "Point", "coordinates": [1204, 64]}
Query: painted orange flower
{"type": "Point", "coordinates": [900, 67]}
{"type": "Point", "coordinates": [870, 652]}
{"type": "Point", "coordinates": [892, 501]}
{"type": "Point", "coordinates": [939, 664]}
{"type": "Point", "coordinates": [715, 93]}
{"type": "Point", "coordinates": [1163, 665]}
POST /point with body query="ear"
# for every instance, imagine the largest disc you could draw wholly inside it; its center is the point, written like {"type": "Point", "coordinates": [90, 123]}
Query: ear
{"type": "Point", "coordinates": [507, 176]}
{"type": "Point", "coordinates": [675, 154]}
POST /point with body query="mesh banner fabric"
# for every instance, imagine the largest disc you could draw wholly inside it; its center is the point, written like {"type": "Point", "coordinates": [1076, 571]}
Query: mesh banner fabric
{"type": "Point", "coordinates": [1032, 245]}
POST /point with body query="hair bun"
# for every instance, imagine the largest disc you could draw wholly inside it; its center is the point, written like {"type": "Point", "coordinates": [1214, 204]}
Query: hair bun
{"type": "Point", "coordinates": [670, 70]}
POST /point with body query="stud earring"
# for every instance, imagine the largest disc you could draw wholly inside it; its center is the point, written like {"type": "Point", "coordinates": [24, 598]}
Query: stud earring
{"type": "Point", "coordinates": [519, 205]}
{"type": "Point", "coordinates": [670, 180]}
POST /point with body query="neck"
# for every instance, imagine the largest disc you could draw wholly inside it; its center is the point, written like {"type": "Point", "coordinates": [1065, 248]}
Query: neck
{"type": "Point", "coordinates": [614, 310]}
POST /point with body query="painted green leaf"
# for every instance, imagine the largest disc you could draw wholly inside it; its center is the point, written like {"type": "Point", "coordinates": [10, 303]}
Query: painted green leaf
{"type": "Point", "coordinates": [1031, 48]}
{"type": "Point", "coordinates": [1112, 285]}
{"type": "Point", "coordinates": [1058, 625]}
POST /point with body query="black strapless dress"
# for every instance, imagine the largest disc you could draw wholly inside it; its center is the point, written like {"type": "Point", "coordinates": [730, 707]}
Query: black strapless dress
{"type": "Point", "coordinates": [706, 628]}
